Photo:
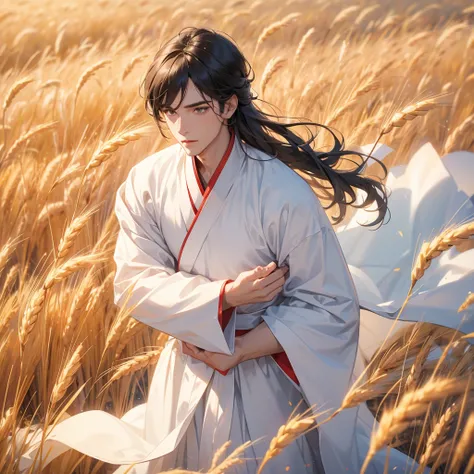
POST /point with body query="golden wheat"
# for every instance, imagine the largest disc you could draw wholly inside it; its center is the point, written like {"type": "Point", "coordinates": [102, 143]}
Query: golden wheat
{"type": "Point", "coordinates": [444, 241]}
{"type": "Point", "coordinates": [67, 375]}
{"type": "Point", "coordinates": [15, 89]}
{"type": "Point", "coordinates": [409, 113]}
{"type": "Point", "coordinates": [231, 460]}
{"type": "Point", "coordinates": [26, 136]}
{"type": "Point", "coordinates": [412, 405]}
{"type": "Point", "coordinates": [6, 423]}
{"type": "Point", "coordinates": [270, 70]}
{"type": "Point", "coordinates": [466, 128]}
{"type": "Point", "coordinates": [438, 435]}
{"type": "Point", "coordinates": [115, 143]}
{"type": "Point", "coordinates": [72, 231]}
{"type": "Point", "coordinates": [273, 28]}
{"type": "Point", "coordinates": [287, 433]}
{"type": "Point", "coordinates": [467, 302]}
{"type": "Point", "coordinates": [87, 74]}
{"type": "Point", "coordinates": [464, 445]}
{"type": "Point", "coordinates": [135, 364]}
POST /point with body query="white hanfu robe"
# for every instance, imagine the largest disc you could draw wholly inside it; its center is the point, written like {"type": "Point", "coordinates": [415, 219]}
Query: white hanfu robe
{"type": "Point", "coordinates": [178, 245]}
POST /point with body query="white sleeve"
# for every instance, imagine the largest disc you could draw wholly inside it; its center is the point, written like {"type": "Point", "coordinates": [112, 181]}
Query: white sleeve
{"type": "Point", "coordinates": [184, 305]}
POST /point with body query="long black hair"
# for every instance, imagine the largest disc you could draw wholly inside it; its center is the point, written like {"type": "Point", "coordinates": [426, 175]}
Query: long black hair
{"type": "Point", "coordinates": [219, 69]}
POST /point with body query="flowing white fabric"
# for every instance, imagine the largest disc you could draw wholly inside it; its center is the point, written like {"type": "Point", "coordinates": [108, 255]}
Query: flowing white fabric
{"type": "Point", "coordinates": [178, 245]}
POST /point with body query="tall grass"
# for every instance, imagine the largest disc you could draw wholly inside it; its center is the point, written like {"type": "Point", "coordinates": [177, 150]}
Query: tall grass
{"type": "Point", "coordinates": [73, 125]}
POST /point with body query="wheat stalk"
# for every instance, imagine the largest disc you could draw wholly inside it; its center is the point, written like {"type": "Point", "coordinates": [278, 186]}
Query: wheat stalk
{"type": "Point", "coordinates": [303, 44]}
{"type": "Point", "coordinates": [412, 405]}
{"type": "Point", "coordinates": [459, 132]}
{"type": "Point", "coordinates": [14, 90]}
{"type": "Point", "coordinates": [11, 276]}
{"type": "Point", "coordinates": [464, 445]}
{"type": "Point", "coordinates": [273, 28]}
{"type": "Point", "coordinates": [467, 302]}
{"type": "Point", "coordinates": [133, 327]}
{"type": "Point", "coordinates": [67, 375]}
{"type": "Point", "coordinates": [78, 306]}
{"type": "Point", "coordinates": [87, 74]}
{"type": "Point", "coordinates": [113, 144]}
{"type": "Point", "coordinates": [137, 363]}
{"type": "Point", "coordinates": [26, 136]}
{"type": "Point", "coordinates": [231, 460]}
{"type": "Point", "coordinates": [370, 83]}
{"type": "Point", "coordinates": [56, 275]}
{"type": "Point", "coordinates": [6, 251]}
{"type": "Point", "coordinates": [287, 433]}
{"type": "Point", "coordinates": [218, 454]}
{"type": "Point", "coordinates": [438, 435]}
{"type": "Point", "coordinates": [73, 265]}
{"type": "Point", "coordinates": [6, 422]}
{"type": "Point", "coordinates": [49, 211]}
{"type": "Point", "coordinates": [443, 242]}
{"type": "Point", "coordinates": [409, 113]}
{"type": "Point", "coordinates": [72, 231]}
{"type": "Point", "coordinates": [270, 70]}
{"type": "Point", "coordinates": [129, 67]}
{"type": "Point", "coordinates": [417, 367]}
{"type": "Point", "coordinates": [364, 13]}
{"type": "Point", "coordinates": [343, 15]}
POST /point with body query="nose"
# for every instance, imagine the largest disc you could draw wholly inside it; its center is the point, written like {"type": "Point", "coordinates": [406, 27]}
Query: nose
{"type": "Point", "coordinates": [182, 127]}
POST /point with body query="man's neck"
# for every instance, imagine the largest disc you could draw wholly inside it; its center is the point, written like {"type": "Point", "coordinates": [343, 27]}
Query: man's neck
{"type": "Point", "coordinates": [208, 159]}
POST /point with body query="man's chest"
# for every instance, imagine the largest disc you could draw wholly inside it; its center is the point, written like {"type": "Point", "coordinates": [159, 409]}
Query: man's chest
{"type": "Point", "coordinates": [234, 240]}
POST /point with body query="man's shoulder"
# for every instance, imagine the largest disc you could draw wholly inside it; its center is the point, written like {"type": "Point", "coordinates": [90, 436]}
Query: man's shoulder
{"type": "Point", "coordinates": [278, 179]}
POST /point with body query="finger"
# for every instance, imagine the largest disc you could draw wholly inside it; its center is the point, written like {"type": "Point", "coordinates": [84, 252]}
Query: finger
{"type": "Point", "coordinates": [262, 271]}
{"type": "Point", "coordinates": [276, 275]}
{"type": "Point", "coordinates": [279, 282]}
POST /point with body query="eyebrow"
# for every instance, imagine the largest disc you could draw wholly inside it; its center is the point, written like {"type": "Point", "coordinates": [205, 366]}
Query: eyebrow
{"type": "Point", "coordinates": [189, 106]}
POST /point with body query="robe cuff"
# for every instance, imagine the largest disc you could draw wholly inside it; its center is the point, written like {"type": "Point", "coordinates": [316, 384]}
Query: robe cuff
{"type": "Point", "coordinates": [224, 316]}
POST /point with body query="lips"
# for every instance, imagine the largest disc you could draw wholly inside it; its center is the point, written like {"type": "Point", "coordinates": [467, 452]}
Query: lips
{"type": "Point", "coordinates": [189, 141]}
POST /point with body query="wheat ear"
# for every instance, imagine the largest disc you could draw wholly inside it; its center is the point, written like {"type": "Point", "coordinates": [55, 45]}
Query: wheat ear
{"type": "Point", "coordinates": [6, 422]}
{"type": "Point", "coordinates": [231, 460]}
{"type": "Point", "coordinates": [67, 375]}
{"type": "Point", "coordinates": [270, 70]}
{"type": "Point", "coordinates": [464, 445]}
{"type": "Point", "coordinates": [135, 364]}
{"type": "Point", "coordinates": [287, 433]}
{"type": "Point", "coordinates": [14, 90]}
{"type": "Point", "coordinates": [460, 131]}
{"type": "Point", "coordinates": [412, 405]}
{"type": "Point", "coordinates": [26, 136]}
{"type": "Point", "coordinates": [116, 142]}
{"type": "Point", "coordinates": [442, 242]}
{"type": "Point", "coordinates": [467, 302]}
{"type": "Point", "coordinates": [56, 275]}
{"type": "Point", "coordinates": [409, 113]}
{"type": "Point", "coordinates": [87, 74]}
{"type": "Point", "coordinates": [273, 28]}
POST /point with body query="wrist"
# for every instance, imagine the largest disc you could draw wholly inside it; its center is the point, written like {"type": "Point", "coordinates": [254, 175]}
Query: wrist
{"type": "Point", "coordinates": [239, 349]}
{"type": "Point", "coordinates": [228, 300]}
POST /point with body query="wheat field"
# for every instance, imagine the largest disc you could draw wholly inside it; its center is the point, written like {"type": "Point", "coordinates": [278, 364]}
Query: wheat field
{"type": "Point", "coordinates": [74, 123]}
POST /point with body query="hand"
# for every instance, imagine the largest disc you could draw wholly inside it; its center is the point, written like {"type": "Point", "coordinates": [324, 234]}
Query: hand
{"type": "Point", "coordinates": [215, 360]}
{"type": "Point", "coordinates": [255, 286]}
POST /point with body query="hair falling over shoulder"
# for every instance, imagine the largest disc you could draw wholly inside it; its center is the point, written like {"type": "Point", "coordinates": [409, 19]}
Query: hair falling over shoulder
{"type": "Point", "coordinates": [219, 69]}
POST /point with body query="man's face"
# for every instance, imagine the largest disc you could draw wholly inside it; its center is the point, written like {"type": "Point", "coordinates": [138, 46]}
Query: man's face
{"type": "Point", "coordinates": [198, 122]}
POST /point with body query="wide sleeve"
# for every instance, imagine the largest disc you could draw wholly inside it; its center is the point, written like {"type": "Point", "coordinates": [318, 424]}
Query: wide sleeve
{"type": "Point", "coordinates": [318, 308]}
{"type": "Point", "coordinates": [316, 322]}
{"type": "Point", "coordinates": [189, 307]}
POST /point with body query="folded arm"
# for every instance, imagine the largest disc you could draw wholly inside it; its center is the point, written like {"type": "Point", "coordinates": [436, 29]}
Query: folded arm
{"type": "Point", "coordinates": [186, 306]}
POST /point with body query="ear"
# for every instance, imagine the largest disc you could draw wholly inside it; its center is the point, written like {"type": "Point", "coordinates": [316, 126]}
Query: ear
{"type": "Point", "coordinates": [230, 106]}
